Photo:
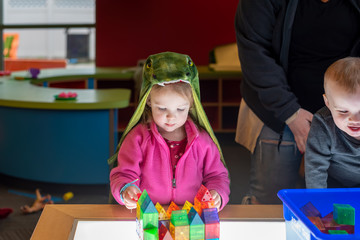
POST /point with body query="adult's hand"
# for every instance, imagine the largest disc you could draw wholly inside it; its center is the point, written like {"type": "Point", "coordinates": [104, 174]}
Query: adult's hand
{"type": "Point", "coordinates": [300, 127]}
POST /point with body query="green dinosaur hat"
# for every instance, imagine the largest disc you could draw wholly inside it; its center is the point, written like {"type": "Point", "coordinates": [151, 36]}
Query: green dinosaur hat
{"type": "Point", "coordinates": [169, 67]}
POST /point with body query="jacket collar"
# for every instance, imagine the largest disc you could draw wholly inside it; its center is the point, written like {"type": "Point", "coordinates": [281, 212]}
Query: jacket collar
{"type": "Point", "coordinates": [191, 129]}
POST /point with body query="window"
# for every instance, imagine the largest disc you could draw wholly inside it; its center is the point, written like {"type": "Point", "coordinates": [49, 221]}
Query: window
{"type": "Point", "coordinates": [47, 39]}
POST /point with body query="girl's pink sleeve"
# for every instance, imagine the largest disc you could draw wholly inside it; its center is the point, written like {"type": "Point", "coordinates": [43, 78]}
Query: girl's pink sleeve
{"type": "Point", "coordinates": [128, 169]}
{"type": "Point", "coordinates": [216, 175]}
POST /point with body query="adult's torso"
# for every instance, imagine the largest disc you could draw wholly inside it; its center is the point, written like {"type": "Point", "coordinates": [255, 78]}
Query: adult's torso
{"type": "Point", "coordinates": [321, 34]}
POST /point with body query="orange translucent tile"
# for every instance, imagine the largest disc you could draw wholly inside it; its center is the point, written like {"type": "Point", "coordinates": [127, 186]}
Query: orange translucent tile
{"type": "Point", "coordinates": [172, 207]}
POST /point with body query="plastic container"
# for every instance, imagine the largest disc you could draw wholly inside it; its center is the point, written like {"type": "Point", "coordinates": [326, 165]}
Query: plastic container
{"type": "Point", "coordinates": [298, 226]}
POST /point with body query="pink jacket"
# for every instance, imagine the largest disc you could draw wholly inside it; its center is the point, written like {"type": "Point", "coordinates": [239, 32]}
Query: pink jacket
{"type": "Point", "coordinates": [144, 155]}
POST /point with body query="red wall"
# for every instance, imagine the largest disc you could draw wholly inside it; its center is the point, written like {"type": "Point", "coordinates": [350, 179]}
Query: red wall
{"type": "Point", "coordinates": [130, 30]}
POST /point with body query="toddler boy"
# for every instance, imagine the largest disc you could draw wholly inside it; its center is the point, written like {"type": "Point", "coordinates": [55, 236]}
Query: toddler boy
{"type": "Point", "coordinates": [332, 156]}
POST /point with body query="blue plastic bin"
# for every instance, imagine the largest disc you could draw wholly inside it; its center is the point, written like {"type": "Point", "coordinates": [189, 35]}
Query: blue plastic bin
{"type": "Point", "coordinates": [298, 226]}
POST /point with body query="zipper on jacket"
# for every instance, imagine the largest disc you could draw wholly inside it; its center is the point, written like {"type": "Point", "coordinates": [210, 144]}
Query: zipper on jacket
{"type": "Point", "coordinates": [174, 183]}
{"type": "Point", "coordinates": [174, 180]}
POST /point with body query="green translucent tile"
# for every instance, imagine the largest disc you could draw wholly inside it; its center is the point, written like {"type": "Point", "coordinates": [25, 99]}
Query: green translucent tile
{"type": "Point", "coordinates": [150, 220]}
{"type": "Point", "coordinates": [344, 214]}
{"type": "Point", "coordinates": [337, 232]}
{"type": "Point", "coordinates": [197, 232]}
{"type": "Point", "coordinates": [150, 217]}
{"type": "Point", "coordinates": [179, 218]}
{"type": "Point", "coordinates": [145, 203]}
{"type": "Point", "coordinates": [143, 196]}
{"type": "Point", "coordinates": [151, 234]}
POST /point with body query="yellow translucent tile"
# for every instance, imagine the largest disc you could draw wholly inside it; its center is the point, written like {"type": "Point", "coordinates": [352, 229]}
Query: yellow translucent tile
{"type": "Point", "coordinates": [187, 206]}
{"type": "Point", "coordinates": [162, 212]}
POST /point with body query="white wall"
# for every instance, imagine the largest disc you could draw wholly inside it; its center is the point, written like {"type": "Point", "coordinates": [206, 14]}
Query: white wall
{"type": "Point", "coordinates": [49, 43]}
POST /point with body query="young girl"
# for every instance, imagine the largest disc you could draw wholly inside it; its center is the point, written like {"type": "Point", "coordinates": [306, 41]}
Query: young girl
{"type": "Point", "coordinates": [167, 153]}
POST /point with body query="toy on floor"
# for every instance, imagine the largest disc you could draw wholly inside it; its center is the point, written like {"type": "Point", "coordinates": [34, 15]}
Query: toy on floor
{"type": "Point", "coordinates": [67, 196]}
{"type": "Point", "coordinates": [4, 212]}
{"type": "Point", "coordinates": [192, 222]}
{"type": "Point", "coordinates": [34, 196]}
{"type": "Point", "coordinates": [340, 221]}
{"type": "Point", "coordinates": [39, 203]}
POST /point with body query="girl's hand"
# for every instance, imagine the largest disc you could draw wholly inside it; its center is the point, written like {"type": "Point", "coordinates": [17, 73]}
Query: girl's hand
{"type": "Point", "coordinates": [130, 197]}
{"type": "Point", "coordinates": [217, 198]}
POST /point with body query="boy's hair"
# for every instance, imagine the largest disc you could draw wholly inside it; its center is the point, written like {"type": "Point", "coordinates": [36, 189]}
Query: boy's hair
{"type": "Point", "coordinates": [345, 72]}
{"type": "Point", "coordinates": [181, 88]}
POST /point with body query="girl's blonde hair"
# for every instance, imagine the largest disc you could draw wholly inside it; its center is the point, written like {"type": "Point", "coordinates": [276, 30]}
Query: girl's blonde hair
{"type": "Point", "coordinates": [182, 88]}
{"type": "Point", "coordinates": [345, 73]}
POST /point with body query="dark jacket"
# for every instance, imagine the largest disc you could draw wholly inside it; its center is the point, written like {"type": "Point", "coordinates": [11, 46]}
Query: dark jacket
{"type": "Point", "coordinates": [263, 30]}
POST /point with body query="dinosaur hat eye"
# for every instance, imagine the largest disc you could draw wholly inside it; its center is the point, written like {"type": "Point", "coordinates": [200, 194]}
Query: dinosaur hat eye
{"type": "Point", "coordinates": [148, 65]}
{"type": "Point", "coordinates": [190, 63]}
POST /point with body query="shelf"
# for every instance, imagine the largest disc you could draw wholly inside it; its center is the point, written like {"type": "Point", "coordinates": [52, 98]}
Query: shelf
{"type": "Point", "coordinates": [220, 93]}
{"type": "Point", "coordinates": [209, 90]}
{"type": "Point", "coordinates": [76, 84]}
{"type": "Point", "coordinates": [124, 116]}
{"type": "Point", "coordinates": [213, 115]}
{"type": "Point", "coordinates": [229, 117]}
{"type": "Point", "coordinates": [231, 90]}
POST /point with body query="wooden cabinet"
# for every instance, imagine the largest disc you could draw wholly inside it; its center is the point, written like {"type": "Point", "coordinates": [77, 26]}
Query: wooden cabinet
{"type": "Point", "coordinates": [220, 97]}
{"type": "Point", "coordinates": [221, 100]}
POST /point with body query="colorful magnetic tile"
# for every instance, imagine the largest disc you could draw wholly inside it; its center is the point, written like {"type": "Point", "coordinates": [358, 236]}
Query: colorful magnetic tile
{"type": "Point", "coordinates": [328, 217]}
{"type": "Point", "coordinates": [161, 211]}
{"type": "Point", "coordinates": [151, 234]}
{"type": "Point", "coordinates": [208, 204]}
{"type": "Point", "coordinates": [172, 207]}
{"type": "Point", "coordinates": [138, 211]}
{"type": "Point", "coordinates": [187, 206]}
{"type": "Point", "coordinates": [198, 208]}
{"type": "Point", "coordinates": [318, 223]}
{"type": "Point", "coordinates": [194, 217]}
{"type": "Point", "coordinates": [203, 194]}
{"type": "Point", "coordinates": [344, 214]}
{"type": "Point", "coordinates": [143, 196]}
{"type": "Point", "coordinates": [166, 223]}
{"type": "Point", "coordinates": [150, 217]}
{"type": "Point", "coordinates": [145, 203]}
{"type": "Point", "coordinates": [197, 232]}
{"type": "Point", "coordinates": [164, 233]}
{"type": "Point", "coordinates": [310, 210]}
{"type": "Point", "coordinates": [142, 204]}
{"type": "Point", "coordinates": [212, 230]}
{"type": "Point", "coordinates": [179, 218]}
{"type": "Point", "coordinates": [179, 232]}
{"type": "Point", "coordinates": [338, 232]}
{"type": "Point", "coordinates": [197, 226]}
{"type": "Point", "coordinates": [330, 224]}
{"type": "Point", "coordinates": [210, 215]}
{"type": "Point", "coordinates": [139, 229]}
